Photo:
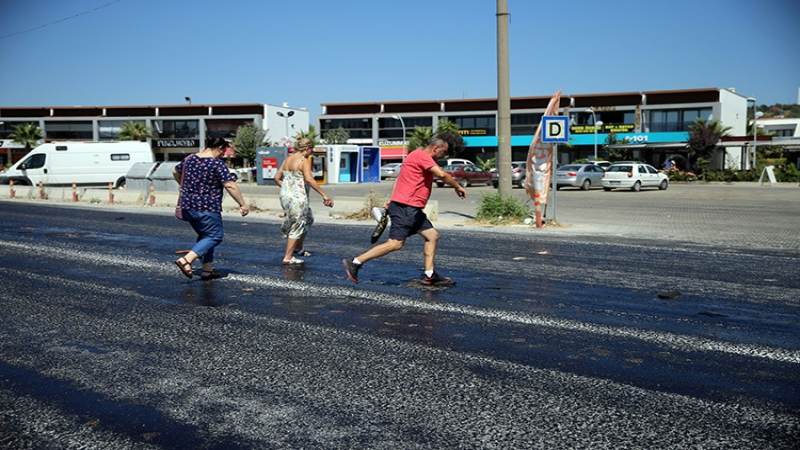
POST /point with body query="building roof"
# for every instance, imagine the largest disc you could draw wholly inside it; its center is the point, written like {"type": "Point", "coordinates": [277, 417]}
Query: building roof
{"type": "Point", "coordinates": [184, 109]}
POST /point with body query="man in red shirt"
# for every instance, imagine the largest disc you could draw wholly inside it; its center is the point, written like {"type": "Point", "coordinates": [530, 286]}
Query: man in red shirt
{"type": "Point", "coordinates": [411, 193]}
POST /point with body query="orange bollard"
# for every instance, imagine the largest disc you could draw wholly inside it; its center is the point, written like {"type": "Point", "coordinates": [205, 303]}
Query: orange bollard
{"type": "Point", "coordinates": [111, 193]}
{"type": "Point", "coordinates": [74, 192]}
{"type": "Point", "coordinates": [151, 199]}
{"type": "Point", "coordinates": [11, 192]}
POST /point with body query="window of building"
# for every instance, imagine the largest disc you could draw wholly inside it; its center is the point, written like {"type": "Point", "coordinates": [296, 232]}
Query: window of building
{"type": "Point", "coordinates": [391, 128]}
{"type": "Point", "coordinates": [359, 128]}
{"type": "Point", "coordinates": [225, 128]}
{"type": "Point", "coordinates": [109, 129]}
{"type": "Point", "coordinates": [7, 128]}
{"type": "Point", "coordinates": [69, 130]}
{"type": "Point", "coordinates": [676, 119]}
{"type": "Point", "coordinates": [177, 129]}
{"type": "Point", "coordinates": [525, 124]}
{"type": "Point", "coordinates": [474, 125]}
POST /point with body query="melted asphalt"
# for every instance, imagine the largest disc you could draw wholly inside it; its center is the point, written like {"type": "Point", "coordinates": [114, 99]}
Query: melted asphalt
{"type": "Point", "coordinates": [544, 342]}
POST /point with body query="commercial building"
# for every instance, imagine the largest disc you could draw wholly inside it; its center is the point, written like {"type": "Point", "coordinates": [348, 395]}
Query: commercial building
{"type": "Point", "coordinates": [652, 125]}
{"type": "Point", "coordinates": [178, 129]}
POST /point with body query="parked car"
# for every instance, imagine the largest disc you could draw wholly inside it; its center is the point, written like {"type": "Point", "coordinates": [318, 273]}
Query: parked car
{"type": "Point", "coordinates": [584, 176]}
{"type": "Point", "coordinates": [634, 176]}
{"type": "Point", "coordinates": [517, 174]}
{"type": "Point", "coordinates": [455, 162]}
{"type": "Point", "coordinates": [602, 164]}
{"type": "Point", "coordinates": [390, 170]}
{"type": "Point", "coordinates": [466, 175]}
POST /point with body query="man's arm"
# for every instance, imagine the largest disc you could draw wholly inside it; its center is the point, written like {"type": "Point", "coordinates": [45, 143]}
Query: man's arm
{"type": "Point", "coordinates": [438, 172]}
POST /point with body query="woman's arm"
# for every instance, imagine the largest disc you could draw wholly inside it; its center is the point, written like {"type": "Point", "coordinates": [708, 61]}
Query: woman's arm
{"type": "Point", "coordinates": [279, 175]}
{"type": "Point", "coordinates": [309, 178]}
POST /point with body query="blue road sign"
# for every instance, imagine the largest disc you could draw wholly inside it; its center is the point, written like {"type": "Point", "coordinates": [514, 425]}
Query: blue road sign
{"type": "Point", "coordinates": [555, 129]}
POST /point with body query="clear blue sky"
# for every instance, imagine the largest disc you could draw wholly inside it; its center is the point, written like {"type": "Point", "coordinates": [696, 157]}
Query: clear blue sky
{"type": "Point", "coordinates": [309, 52]}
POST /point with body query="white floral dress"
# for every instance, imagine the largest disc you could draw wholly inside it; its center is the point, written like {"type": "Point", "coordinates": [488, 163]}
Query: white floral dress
{"type": "Point", "coordinates": [294, 200]}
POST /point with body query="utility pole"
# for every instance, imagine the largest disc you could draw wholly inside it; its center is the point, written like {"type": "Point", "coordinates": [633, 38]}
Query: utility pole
{"type": "Point", "coordinates": [503, 102]}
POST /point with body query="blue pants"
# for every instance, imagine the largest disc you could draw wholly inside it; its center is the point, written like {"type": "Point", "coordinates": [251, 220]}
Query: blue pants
{"type": "Point", "coordinates": [208, 226]}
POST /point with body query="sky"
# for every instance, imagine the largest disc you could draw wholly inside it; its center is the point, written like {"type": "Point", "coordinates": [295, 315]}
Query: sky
{"type": "Point", "coordinates": [119, 52]}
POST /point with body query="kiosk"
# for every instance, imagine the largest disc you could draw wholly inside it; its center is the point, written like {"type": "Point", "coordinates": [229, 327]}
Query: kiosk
{"type": "Point", "coordinates": [319, 164]}
{"type": "Point", "coordinates": [342, 163]}
{"type": "Point", "coordinates": [268, 160]}
{"type": "Point", "coordinates": [369, 164]}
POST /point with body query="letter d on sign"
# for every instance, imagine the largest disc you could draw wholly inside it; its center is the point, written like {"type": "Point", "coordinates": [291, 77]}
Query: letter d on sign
{"type": "Point", "coordinates": [555, 129]}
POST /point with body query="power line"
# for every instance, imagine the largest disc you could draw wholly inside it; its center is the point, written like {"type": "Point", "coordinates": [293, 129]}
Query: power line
{"type": "Point", "coordinates": [82, 13]}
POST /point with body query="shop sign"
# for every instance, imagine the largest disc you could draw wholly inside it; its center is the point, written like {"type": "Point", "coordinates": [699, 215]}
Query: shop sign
{"type": "Point", "coordinates": [175, 143]}
{"type": "Point", "coordinates": [635, 139]}
{"type": "Point", "coordinates": [473, 132]}
{"type": "Point", "coordinates": [606, 128]}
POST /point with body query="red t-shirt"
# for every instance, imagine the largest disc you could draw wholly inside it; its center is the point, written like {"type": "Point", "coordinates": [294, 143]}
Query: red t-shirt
{"type": "Point", "coordinates": [413, 185]}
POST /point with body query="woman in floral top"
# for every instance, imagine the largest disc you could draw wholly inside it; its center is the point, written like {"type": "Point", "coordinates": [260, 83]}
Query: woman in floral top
{"type": "Point", "coordinates": [294, 177]}
{"type": "Point", "coordinates": [202, 177]}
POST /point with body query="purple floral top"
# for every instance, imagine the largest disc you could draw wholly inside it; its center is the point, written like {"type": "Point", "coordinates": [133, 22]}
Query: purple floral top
{"type": "Point", "coordinates": [203, 178]}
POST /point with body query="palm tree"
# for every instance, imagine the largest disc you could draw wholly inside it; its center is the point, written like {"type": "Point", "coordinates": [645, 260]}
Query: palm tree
{"type": "Point", "coordinates": [27, 134]}
{"type": "Point", "coordinates": [134, 131]}
{"type": "Point", "coordinates": [311, 135]}
{"type": "Point", "coordinates": [419, 137]}
{"type": "Point", "coordinates": [704, 137]}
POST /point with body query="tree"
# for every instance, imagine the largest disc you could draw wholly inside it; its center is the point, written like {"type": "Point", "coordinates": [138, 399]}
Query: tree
{"type": "Point", "coordinates": [336, 136]}
{"type": "Point", "coordinates": [616, 154]}
{"type": "Point", "coordinates": [704, 137]}
{"type": "Point", "coordinates": [449, 131]}
{"type": "Point", "coordinates": [134, 131]}
{"type": "Point", "coordinates": [248, 138]}
{"type": "Point", "coordinates": [419, 137]}
{"type": "Point", "coordinates": [486, 164]}
{"type": "Point", "coordinates": [27, 134]}
{"type": "Point", "coordinates": [311, 135]}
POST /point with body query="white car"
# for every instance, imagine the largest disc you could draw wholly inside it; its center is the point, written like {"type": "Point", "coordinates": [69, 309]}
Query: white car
{"type": "Point", "coordinates": [633, 176]}
{"type": "Point", "coordinates": [390, 170]}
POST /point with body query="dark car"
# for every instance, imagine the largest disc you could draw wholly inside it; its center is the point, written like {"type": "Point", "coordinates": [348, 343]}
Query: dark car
{"type": "Point", "coordinates": [466, 175]}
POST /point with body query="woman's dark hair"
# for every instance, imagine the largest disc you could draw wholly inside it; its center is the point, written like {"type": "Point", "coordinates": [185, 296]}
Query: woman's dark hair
{"type": "Point", "coordinates": [216, 142]}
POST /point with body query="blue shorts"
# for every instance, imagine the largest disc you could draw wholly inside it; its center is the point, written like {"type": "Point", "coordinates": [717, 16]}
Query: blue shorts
{"type": "Point", "coordinates": [406, 221]}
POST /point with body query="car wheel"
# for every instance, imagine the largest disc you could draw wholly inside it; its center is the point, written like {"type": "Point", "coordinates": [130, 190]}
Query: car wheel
{"type": "Point", "coordinates": [463, 183]}
{"type": "Point", "coordinates": [607, 189]}
{"type": "Point", "coordinates": [636, 187]}
{"type": "Point", "coordinates": [120, 183]}
{"type": "Point", "coordinates": [438, 184]}
{"type": "Point", "coordinates": [558, 188]}
{"type": "Point", "coordinates": [663, 186]}
{"type": "Point", "coordinates": [495, 184]}
{"type": "Point", "coordinates": [586, 185]}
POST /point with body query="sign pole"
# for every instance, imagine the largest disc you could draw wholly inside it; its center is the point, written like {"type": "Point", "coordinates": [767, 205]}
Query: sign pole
{"type": "Point", "coordinates": [553, 180]}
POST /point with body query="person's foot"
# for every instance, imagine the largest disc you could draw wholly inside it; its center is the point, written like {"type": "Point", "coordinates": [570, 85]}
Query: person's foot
{"type": "Point", "coordinates": [351, 270]}
{"type": "Point", "coordinates": [207, 275]}
{"type": "Point", "coordinates": [184, 266]}
{"type": "Point", "coordinates": [436, 280]}
{"type": "Point", "coordinates": [302, 252]}
{"type": "Point", "coordinates": [293, 262]}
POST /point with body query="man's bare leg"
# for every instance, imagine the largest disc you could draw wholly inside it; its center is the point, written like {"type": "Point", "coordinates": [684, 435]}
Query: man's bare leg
{"type": "Point", "coordinates": [431, 237]}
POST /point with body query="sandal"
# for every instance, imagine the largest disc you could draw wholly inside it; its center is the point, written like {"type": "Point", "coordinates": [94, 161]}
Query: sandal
{"type": "Point", "coordinates": [301, 252]}
{"type": "Point", "coordinates": [184, 266]}
{"type": "Point", "coordinates": [293, 262]}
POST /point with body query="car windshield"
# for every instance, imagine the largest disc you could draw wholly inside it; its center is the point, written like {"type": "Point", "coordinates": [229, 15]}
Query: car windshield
{"type": "Point", "coordinates": [452, 167]}
{"type": "Point", "coordinates": [570, 168]}
{"type": "Point", "coordinates": [620, 169]}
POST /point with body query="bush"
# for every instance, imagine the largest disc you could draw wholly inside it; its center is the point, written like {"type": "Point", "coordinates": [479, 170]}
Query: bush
{"type": "Point", "coordinates": [681, 176]}
{"type": "Point", "coordinates": [497, 209]}
{"type": "Point", "coordinates": [373, 199]}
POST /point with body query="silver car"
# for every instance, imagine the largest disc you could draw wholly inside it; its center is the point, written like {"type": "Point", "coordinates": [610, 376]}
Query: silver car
{"type": "Point", "coordinates": [517, 174]}
{"type": "Point", "coordinates": [584, 176]}
{"type": "Point", "coordinates": [390, 170]}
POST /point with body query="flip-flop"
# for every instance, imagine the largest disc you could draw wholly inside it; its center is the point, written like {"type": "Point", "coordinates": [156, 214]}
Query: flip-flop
{"type": "Point", "coordinates": [293, 262]}
{"type": "Point", "coordinates": [183, 267]}
{"type": "Point", "coordinates": [301, 252]}
{"type": "Point", "coordinates": [379, 228]}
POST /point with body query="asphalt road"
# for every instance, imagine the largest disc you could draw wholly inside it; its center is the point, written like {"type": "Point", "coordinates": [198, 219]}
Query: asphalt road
{"type": "Point", "coordinates": [545, 342]}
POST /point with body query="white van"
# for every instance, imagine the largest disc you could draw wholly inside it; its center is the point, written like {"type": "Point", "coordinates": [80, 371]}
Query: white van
{"type": "Point", "coordinates": [78, 162]}
{"type": "Point", "coordinates": [455, 162]}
